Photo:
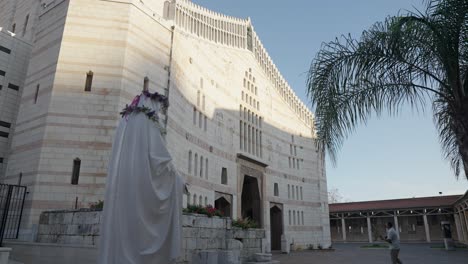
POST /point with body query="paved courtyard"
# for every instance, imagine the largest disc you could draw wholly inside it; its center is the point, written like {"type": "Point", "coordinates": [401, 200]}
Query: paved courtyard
{"type": "Point", "coordinates": [353, 254]}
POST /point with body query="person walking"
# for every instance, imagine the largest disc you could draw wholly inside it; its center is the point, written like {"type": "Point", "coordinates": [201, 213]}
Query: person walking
{"type": "Point", "coordinates": [394, 241]}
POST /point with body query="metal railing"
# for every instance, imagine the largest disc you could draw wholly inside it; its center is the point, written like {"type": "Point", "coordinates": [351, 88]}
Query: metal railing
{"type": "Point", "coordinates": [11, 210]}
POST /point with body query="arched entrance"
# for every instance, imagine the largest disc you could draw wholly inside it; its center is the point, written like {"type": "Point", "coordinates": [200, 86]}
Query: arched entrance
{"type": "Point", "coordinates": [276, 225]}
{"type": "Point", "coordinates": [251, 203]}
{"type": "Point", "coordinates": [224, 206]}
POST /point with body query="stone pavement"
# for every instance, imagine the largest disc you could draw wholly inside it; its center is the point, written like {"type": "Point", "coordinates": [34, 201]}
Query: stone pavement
{"type": "Point", "coordinates": [352, 253]}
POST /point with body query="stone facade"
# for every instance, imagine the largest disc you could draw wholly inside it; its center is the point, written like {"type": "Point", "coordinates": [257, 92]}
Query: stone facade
{"type": "Point", "coordinates": [202, 236]}
{"type": "Point", "coordinates": [233, 124]}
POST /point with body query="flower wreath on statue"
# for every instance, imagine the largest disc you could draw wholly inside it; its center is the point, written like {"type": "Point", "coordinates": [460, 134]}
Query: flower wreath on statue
{"type": "Point", "coordinates": [150, 113]}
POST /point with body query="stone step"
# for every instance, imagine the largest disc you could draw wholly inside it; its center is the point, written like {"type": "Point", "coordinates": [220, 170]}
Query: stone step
{"type": "Point", "coordinates": [269, 262]}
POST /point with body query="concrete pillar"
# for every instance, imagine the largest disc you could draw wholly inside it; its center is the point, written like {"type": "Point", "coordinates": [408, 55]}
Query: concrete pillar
{"type": "Point", "coordinates": [462, 226]}
{"type": "Point", "coordinates": [369, 229]}
{"type": "Point", "coordinates": [343, 227]}
{"type": "Point", "coordinates": [465, 226]}
{"type": "Point", "coordinates": [458, 227]}
{"type": "Point", "coordinates": [395, 220]}
{"type": "Point", "coordinates": [426, 229]}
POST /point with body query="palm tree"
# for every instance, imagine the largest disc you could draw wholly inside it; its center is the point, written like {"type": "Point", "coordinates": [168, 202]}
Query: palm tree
{"type": "Point", "coordinates": [407, 59]}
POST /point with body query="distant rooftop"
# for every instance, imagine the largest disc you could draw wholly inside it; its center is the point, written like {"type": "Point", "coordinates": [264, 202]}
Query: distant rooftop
{"type": "Point", "coordinates": [395, 204]}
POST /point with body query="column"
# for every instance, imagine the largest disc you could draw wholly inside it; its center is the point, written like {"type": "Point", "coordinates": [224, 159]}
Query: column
{"type": "Point", "coordinates": [343, 227]}
{"type": "Point", "coordinates": [369, 229]}
{"type": "Point", "coordinates": [395, 220]}
{"type": "Point", "coordinates": [426, 229]}
{"type": "Point", "coordinates": [462, 226]}
{"type": "Point", "coordinates": [466, 221]}
{"type": "Point", "coordinates": [458, 226]}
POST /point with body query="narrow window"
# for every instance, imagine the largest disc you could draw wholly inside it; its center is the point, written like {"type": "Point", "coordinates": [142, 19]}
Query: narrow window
{"type": "Point", "coordinates": [13, 28]}
{"type": "Point", "coordinates": [224, 178]}
{"type": "Point", "coordinates": [25, 26]}
{"type": "Point", "coordinates": [289, 213]}
{"type": "Point", "coordinates": [206, 201]}
{"type": "Point", "coordinates": [201, 166]}
{"type": "Point", "coordinates": [294, 217]}
{"type": "Point", "coordinates": [206, 168]}
{"type": "Point", "coordinates": [201, 83]}
{"type": "Point", "coordinates": [302, 216]}
{"type": "Point", "coordinates": [293, 196]}
{"type": "Point", "coordinates": [240, 134]}
{"type": "Point", "coordinates": [297, 192]}
{"type": "Point", "coordinates": [76, 171]}
{"type": "Point", "coordinates": [295, 150]}
{"type": "Point", "coordinates": [190, 162]}
{"type": "Point", "coordinates": [289, 162]}
{"type": "Point", "coordinates": [289, 191]}
{"type": "Point", "coordinates": [242, 95]}
{"type": "Point", "coordinates": [200, 119]}
{"type": "Point", "coordinates": [198, 98]}
{"type": "Point", "coordinates": [203, 102]}
{"type": "Point", "coordinates": [89, 81]}
{"type": "Point", "coordinates": [196, 165]}
{"type": "Point", "coordinates": [297, 164]}
{"type": "Point", "coordinates": [302, 197]}
{"type": "Point", "coordinates": [194, 116]}
{"type": "Point", "coordinates": [36, 94]}
{"type": "Point", "coordinates": [194, 199]}
{"type": "Point", "coordinates": [205, 121]}
{"type": "Point", "coordinates": [146, 84]}
{"type": "Point", "coordinates": [200, 199]}
{"type": "Point", "coordinates": [276, 191]}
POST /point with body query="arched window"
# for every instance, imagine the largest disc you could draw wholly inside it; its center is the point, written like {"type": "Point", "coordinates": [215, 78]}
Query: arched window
{"type": "Point", "coordinates": [194, 199]}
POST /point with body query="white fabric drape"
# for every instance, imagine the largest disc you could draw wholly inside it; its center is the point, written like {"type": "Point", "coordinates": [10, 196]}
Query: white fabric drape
{"type": "Point", "coordinates": [142, 217]}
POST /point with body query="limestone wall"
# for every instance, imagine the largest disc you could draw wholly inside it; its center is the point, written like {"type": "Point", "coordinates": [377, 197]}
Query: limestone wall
{"type": "Point", "coordinates": [201, 234]}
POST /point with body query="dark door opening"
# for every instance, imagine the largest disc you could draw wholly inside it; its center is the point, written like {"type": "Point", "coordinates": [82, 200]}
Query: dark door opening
{"type": "Point", "coordinates": [224, 206]}
{"type": "Point", "coordinates": [276, 224]}
{"type": "Point", "coordinates": [251, 200]}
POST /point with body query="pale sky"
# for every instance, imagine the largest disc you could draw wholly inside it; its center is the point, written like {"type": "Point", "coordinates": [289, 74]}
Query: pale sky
{"type": "Point", "coordinates": [391, 157]}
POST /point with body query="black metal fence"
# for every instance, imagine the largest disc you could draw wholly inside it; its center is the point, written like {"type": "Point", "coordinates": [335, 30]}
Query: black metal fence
{"type": "Point", "coordinates": [11, 210]}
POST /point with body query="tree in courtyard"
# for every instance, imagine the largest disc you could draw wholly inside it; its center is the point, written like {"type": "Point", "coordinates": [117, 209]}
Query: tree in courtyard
{"type": "Point", "coordinates": [334, 196]}
{"type": "Point", "coordinates": [407, 59]}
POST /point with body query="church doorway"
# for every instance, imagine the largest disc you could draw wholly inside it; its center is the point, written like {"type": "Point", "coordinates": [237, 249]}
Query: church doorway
{"type": "Point", "coordinates": [276, 225]}
{"type": "Point", "coordinates": [251, 202]}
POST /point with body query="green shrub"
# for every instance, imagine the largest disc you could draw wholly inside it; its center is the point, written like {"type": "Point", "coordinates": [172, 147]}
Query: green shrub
{"type": "Point", "coordinates": [244, 223]}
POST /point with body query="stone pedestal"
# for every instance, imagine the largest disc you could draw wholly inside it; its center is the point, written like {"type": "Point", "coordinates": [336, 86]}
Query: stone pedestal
{"type": "Point", "coordinates": [285, 247]}
{"type": "Point", "coordinates": [4, 255]}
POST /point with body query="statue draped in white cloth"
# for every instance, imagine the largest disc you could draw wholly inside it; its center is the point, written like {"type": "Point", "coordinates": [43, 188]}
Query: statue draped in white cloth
{"type": "Point", "coordinates": [142, 218]}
